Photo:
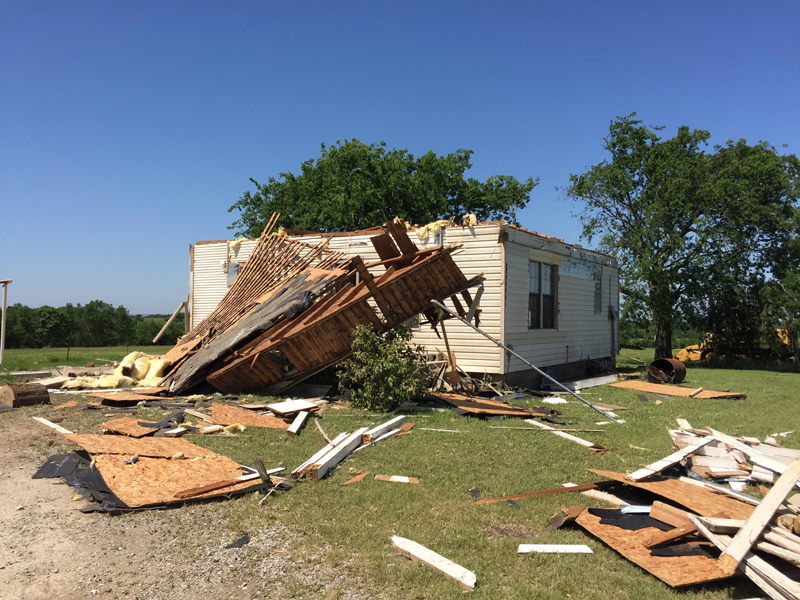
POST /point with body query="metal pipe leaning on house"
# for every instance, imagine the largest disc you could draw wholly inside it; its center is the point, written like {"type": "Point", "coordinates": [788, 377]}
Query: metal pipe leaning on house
{"type": "Point", "coordinates": [531, 365]}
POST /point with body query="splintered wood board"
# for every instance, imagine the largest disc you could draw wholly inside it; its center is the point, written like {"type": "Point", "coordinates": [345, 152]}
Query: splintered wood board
{"type": "Point", "coordinates": [222, 414]}
{"type": "Point", "coordinates": [151, 447]}
{"type": "Point", "coordinates": [153, 481]}
{"type": "Point", "coordinates": [70, 404]}
{"type": "Point", "coordinates": [411, 549]}
{"type": "Point", "coordinates": [699, 500]}
{"type": "Point", "coordinates": [127, 426]}
{"type": "Point", "coordinates": [675, 571]}
{"type": "Point", "coordinates": [483, 407]}
{"type": "Point", "coordinates": [670, 390]}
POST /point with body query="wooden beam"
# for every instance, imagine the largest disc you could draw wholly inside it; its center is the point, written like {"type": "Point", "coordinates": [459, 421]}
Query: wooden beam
{"type": "Point", "coordinates": [463, 577]}
{"type": "Point", "coordinates": [767, 577]}
{"type": "Point", "coordinates": [566, 436]}
{"type": "Point", "coordinates": [561, 490]}
{"type": "Point", "coordinates": [670, 460]}
{"type": "Point", "coordinates": [169, 321]}
{"type": "Point", "coordinates": [379, 430]}
{"type": "Point", "coordinates": [337, 454]}
{"type": "Point", "coordinates": [729, 560]}
{"type": "Point", "coordinates": [58, 428]}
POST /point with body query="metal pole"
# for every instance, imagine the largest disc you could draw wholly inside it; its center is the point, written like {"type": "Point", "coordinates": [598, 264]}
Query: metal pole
{"type": "Point", "coordinates": [532, 366]}
{"type": "Point", "coordinates": [3, 325]}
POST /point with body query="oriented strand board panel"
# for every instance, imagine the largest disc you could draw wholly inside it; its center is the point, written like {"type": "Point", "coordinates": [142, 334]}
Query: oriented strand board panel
{"type": "Point", "coordinates": [222, 414]}
{"type": "Point", "coordinates": [152, 447]}
{"type": "Point", "coordinates": [701, 501]}
{"type": "Point", "coordinates": [671, 390]}
{"type": "Point", "coordinates": [675, 571]}
{"type": "Point", "coordinates": [126, 397]}
{"type": "Point", "coordinates": [127, 426]}
{"type": "Point", "coordinates": [153, 481]}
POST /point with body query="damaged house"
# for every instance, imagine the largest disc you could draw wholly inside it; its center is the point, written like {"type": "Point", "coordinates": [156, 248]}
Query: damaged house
{"type": "Point", "coordinates": [554, 303]}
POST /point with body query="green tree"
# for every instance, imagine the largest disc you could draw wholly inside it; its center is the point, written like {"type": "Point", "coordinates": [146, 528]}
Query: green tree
{"type": "Point", "coordinates": [679, 219]}
{"type": "Point", "coordinates": [352, 184]}
{"type": "Point", "coordinates": [781, 310]}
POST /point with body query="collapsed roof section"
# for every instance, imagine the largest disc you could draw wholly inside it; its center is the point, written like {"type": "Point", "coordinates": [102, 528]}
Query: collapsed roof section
{"type": "Point", "coordinates": [292, 310]}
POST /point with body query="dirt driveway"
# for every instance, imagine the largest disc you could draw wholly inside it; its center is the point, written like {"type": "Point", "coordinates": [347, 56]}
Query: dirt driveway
{"type": "Point", "coordinates": [50, 550]}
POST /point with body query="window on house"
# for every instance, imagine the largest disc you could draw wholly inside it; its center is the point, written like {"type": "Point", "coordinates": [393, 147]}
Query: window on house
{"type": "Point", "coordinates": [598, 290]}
{"type": "Point", "coordinates": [542, 296]}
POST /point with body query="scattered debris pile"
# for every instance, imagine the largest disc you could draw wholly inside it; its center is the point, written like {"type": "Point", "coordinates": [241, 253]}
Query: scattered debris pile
{"type": "Point", "coordinates": [291, 311]}
{"type": "Point", "coordinates": [723, 528]}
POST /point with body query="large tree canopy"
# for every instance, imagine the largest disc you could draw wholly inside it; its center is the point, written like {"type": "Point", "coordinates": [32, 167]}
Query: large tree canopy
{"type": "Point", "coordinates": [687, 226]}
{"type": "Point", "coordinates": [352, 184]}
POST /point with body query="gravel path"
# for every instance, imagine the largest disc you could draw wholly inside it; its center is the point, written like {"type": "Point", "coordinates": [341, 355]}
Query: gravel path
{"type": "Point", "coordinates": [50, 550]}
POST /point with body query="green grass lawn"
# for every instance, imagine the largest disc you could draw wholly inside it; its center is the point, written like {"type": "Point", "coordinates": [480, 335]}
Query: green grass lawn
{"type": "Point", "coordinates": [350, 527]}
{"type": "Point", "coordinates": [38, 359]}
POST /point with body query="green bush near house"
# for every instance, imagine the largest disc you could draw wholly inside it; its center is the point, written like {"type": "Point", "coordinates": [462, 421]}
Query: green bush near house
{"type": "Point", "coordinates": [384, 370]}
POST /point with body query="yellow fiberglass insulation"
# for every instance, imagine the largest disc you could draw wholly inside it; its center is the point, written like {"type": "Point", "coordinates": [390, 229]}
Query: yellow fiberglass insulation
{"type": "Point", "coordinates": [234, 245]}
{"type": "Point", "coordinates": [155, 373]}
{"type": "Point", "coordinates": [98, 383]}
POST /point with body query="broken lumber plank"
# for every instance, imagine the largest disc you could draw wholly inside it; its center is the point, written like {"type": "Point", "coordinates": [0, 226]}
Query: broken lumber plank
{"type": "Point", "coordinates": [767, 577]}
{"type": "Point", "coordinates": [320, 453]}
{"type": "Point", "coordinates": [666, 513]}
{"type": "Point", "coordinates": [665, 537]}
{"type": "Point", "coordinates": [356, 479]}
{"type": "Point", "coordinates": [298, 423]}
{"type": "Point", "coordinates": [411, 549]}
{"type": "Point", "coordinates": [740, 545]}
{"type": "Point", "coordinates": [670, 460]}
{"type": "Point", "coordinates": [379, 430]}
{"type": "Point", "coordinates": [198, 414]}
{"type": "Point", "coordinates": [210, 487]}
{"type": "Point", "coordinates": [337, 454]}
{"type": "Point", "coordinates": [24, 394]}
{"type": "Point", "coordinates": [211, 429]}
{"type": "Point", "coordinates": [407, 427]}
{"type": "Point", "coordinates": [566, 436]}
{"type": "Point", "coordinates": [755, 456]}
{"type": "Point", "coordinates": [177, 432]}
{"type": "Point", "coordinates": [397, 479]}
{"type": "Point", "coordinates": [58, 428]}
{"type": "Point", "coordinates": [554, 549]}
{"type": "Point", "coordinates": [561, 490]}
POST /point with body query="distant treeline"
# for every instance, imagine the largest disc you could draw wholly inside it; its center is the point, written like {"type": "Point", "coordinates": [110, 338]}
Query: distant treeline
{"type": "Point", "coordinates": [93, 324]}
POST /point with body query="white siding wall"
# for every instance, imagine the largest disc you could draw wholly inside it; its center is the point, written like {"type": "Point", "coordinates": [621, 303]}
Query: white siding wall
{"type": "Point", "coordinates": [580, 333]}
{"type": "Point", "coordinates": [209, 280]}
{"type": "Point", "coordinates": [480, 254]}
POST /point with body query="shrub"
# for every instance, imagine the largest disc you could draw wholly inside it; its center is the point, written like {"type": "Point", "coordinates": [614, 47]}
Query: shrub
{"type": "Point", "coordinates": [384, 370]}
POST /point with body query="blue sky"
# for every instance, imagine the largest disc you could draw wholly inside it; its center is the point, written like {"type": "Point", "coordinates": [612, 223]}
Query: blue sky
{"type": "Point", "coordinates": [127, 129]}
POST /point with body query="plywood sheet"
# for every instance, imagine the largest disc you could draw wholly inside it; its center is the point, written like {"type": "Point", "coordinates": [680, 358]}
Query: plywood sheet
{"type": "Point", "coordinates": [222, 414]}
{"type": "Point", "coordinates": [152, 447]}
{"type": "Point", "coordinates": [699, 500]}
{"type": "Point", "coordinates": [671, 390]}
{"type": "Point", "coordinates": [154, 481]}
{"type": "Point", "coordinates": [675, 571]}
{"type": "Point", "coordinates": [127, 426]}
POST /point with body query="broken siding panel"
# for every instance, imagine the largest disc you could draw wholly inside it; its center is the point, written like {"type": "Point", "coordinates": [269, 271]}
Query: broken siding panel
{"type": "Point", "coordinates": [580, 332]}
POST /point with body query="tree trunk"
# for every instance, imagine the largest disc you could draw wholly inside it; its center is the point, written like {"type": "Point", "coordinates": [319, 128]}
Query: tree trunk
{"type": "Point", "coordinates": [796, 350]}
{"type": "Point", "coordinates": [23, 394]}
{"type": "Point", "coordinates": [663, 341]}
